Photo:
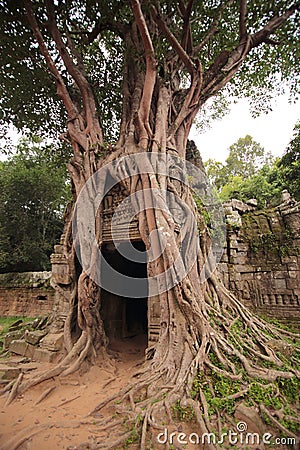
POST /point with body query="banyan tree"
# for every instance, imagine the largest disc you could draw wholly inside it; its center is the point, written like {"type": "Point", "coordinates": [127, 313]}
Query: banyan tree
{"type": "Point", "coordinates": [121, 83]}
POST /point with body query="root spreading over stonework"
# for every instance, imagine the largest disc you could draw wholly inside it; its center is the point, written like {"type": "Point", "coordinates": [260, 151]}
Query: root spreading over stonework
{"type": "Point", "coordinates": [212, 353]}
{"type": "Point", "coordinates": [227, 356]}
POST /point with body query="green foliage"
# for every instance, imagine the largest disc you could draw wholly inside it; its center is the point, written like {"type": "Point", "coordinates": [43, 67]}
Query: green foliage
{"type": "Point", "coordinates": [183, 413]}
{"type": "Point", "coordinates": [245, 157]}
{"type": "Point", "coordinates": [135, 435]}
{"type": "Point", "coordinates": [281, 244]}
{"type": "Point", "coordinates": [262, 393]}
{"type": "Point", "coordinates": [7, 322]}
{"type": "Point", "coordinates": [216, 389]}
{"type": "Point", "coordinates": [290, 387]}
{"type": "Point", "coordinates": [290, 164]}
{"type": "Point", "coordinates": [98, 29]}
{"type": "Point", "coordinates": [281, 395]}
{"type": "Point", "coordinates": [33, 194]}
{"type": "Point", "coordinates": [264, 178]}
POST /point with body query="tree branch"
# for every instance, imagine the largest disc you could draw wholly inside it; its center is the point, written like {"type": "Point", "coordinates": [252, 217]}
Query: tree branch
{"type": "Point", "coordinates": [117, 27]}
{"type": "Point", "coordinates": [191, 102]}
{"type": "Point", "coordinates": [186, 41]}
{"type": "Point", "coordinates": [242, 19]}
{"type": "Point", "coordinates": [143, 29]}
{"type": "Point", "coordinates": [227, 63]}
{"type": "Point", "coordinates": [150, 77]}
{"type": "Point", "coordinates": [262, 36]}
{"type": "Point", "coordinates": [61, 87]}
{"type": "Point", "coordinates": [173, 40]}
{"type": "Point", "coordinates": [77, 75]}
{"type": "Point", "coordinates": [74, 51]}
{"type": "Point", "coordinates": [213, 28]}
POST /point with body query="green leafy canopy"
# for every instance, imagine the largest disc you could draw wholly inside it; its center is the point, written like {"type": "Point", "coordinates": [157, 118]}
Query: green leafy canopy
{"type": "Point", "coordinates": [249, 172]}
{"type": "Point", "coordinates": [28, 96]}
{"type": "Point", "coordinates": [33, 193]}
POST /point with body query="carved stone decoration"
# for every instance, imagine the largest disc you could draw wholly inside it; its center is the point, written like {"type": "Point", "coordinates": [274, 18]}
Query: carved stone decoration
{"type": "Point", "coordinates": [124, 226]}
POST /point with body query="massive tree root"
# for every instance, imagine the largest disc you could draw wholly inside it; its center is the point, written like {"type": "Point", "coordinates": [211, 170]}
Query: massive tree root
{"type": "Point", "coordinates": [226, 344]}
{"type": "Point", "coordinates": [207, 339]}
{"type": "Point", "coordinates": [236, 349]}
{"type": "Point", "coordinates": [211, 351]}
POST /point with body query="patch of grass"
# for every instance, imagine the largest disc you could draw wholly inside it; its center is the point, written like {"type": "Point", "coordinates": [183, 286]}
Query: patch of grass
{"type": "Point", "coordinates": [183, 413]}
{"type": "Point", "coordinates": [7, 322]}
{"type": "Point", "coordinates": [222, 388]}
{"type": "Point", "coordinates": [135, 435]}
{"type": "Point", "coordinates": [290, 388]}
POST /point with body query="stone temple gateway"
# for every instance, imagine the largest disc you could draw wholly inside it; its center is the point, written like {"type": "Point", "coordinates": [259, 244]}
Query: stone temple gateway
{"type": "Point", "coordinates": [260, 264]}
{"type": "Point", "coordinates": [122, 316]}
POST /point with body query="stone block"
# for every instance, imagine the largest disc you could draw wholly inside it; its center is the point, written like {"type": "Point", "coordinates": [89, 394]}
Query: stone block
{"type": "Point", "coordinates": [252, 202]}
{"type": "Point", "coordinates": [244, 268]}
{"type": "Point", "coordinates": [59, 249]}
{"type": "Point", "coordinates": [279, 283]}
{"type": "Point", "coordinates": [52, 342]}
{"type": "Point", "coordinates": [294, 274]}
{"type": "Point", "coordinates": [9, 373]}
{"type": "Point", "coordinates": [34, 337]}
{"type": "Point", "coordinates": [280, 274]}
{"type": "Point", "coordinates": [22, 348]}
{"type": "Point", "coordinates": [240, 259]}
{"type": "Point", "coordinates": [239, 205]}
{"type": "Point", "coordinates": [234, 220]}
{"type": "Point", "coordinates": [293, 283]}
{"type": "Point", "coordinates": [241, 253]}
{"type": "Point", "coordinates": [243, 248]}
{"type": "Point", "coordinates": [43, 355]}
{"type": "Point", "coordinates": [222, 267]}
{"type": "Point", "coordinates": [289, 259]}
{"type": "Point", "coordinates": [247, 276]}
{"type": "Point", "coordinates": [60, 273]}
{"type": "Point", "coordinates": [12, 336]}
{"type": "Point", "coordinates": [233, 244]}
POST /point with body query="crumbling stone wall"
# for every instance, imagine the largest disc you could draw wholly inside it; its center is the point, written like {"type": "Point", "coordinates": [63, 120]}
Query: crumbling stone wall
{"type": "Point", "coordinates": [260, 264]}
{"type": "Point", "coordinates": [261, 261]}
{"type": "Point", "coordinates": [27, 294]}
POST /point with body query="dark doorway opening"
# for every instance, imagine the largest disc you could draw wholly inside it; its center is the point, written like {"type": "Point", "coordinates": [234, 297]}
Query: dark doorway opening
{"type": "Point", "coordinates": [125, 316]}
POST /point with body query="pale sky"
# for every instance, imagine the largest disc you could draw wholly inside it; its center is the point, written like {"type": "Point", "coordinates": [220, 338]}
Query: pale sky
{"type": "Point", "coordinates": [273, 130]}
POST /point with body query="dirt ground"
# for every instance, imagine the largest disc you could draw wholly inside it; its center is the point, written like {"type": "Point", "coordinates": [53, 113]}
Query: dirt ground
{"type": "Point", "coordinates": [60, 420]}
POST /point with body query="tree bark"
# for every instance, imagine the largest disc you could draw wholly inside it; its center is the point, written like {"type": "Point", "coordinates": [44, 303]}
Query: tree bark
{"type": "Point", "coordinates": [197, 314]}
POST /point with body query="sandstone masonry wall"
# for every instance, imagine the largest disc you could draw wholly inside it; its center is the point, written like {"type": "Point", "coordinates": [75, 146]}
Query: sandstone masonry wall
{"type": "Point", "coordinates": [261, 261]}
{"type": "Point", "coordinates": [260, 264]}
{"type": "Point", "coordinates": [27, 294]}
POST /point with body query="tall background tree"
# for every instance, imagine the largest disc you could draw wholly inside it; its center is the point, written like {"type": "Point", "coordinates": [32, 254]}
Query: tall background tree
{"type": "Point", "coordinates": [249, 172]}
{"type": "Point", "coordinates": [131, 77]}
{"type": "Point", "coordinates": [34, 191]}
{"type": "Point", "coordinates": [289, 164]}
{"type": "Point", "coordinates": [245, 157]}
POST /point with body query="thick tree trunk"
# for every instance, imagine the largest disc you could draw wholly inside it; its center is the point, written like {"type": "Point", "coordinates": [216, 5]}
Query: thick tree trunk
{"type": "Point", "coordinates": [199, 318]}
{"type": "Point", "coordinates": [197, 315]}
